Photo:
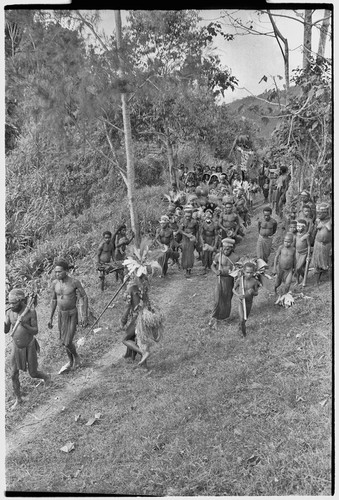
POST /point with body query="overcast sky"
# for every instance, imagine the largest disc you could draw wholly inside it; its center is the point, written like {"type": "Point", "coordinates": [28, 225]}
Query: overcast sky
{"type": "Point", "coordinates": [250, 57]}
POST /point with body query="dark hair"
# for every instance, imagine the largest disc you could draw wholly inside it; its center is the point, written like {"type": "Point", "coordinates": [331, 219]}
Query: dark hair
{"type": "Point", "coordinates": [249, 264]}
{"type": "Point", "coordinates": [267, 209]}
{"type": "Point", "coordinates": [107, 232]}
{"type": "Point", "coordinates": [61, 263]}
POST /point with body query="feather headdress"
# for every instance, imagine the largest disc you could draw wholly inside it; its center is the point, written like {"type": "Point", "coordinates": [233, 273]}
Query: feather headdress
{"type": "Point", "coordinates": [141, 261]}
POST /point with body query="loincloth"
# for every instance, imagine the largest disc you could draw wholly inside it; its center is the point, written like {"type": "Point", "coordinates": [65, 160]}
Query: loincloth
{"type": "Point", "coordinates": [67, 323]}
{"type": "Point", "coordinates": [22, 355]}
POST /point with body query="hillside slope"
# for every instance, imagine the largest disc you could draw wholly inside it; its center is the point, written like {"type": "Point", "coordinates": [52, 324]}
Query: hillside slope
{"type": "Point", "coordinates": [217, 415]}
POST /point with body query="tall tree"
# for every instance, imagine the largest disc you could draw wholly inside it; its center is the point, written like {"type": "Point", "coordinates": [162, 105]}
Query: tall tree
{"type": "Point", "coordinates": [128, 132]}
{"type": "Point", "coordinates": [307, 46]}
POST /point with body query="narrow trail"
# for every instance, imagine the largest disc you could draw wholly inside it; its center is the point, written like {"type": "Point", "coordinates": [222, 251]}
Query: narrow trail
{"type": "Point", "coordinates": [174, 294]}
{"type": "Point", "coordinates": [167, 291]}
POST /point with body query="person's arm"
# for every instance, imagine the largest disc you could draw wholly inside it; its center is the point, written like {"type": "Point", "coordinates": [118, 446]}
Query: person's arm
{"type": "Point", "coordinates": [275, 225]}
{"type": "Point", "coordinates": [276, 259]}
{"type": "Point", "coordinates": [7, 325]}
{"type": "Point", "coordinates": [215, 265]}
{"type": "Point", "coordinates": [259, 226]}
{"type": "Point", "coordinates": [236, 289]}
{"type": "Point", "coordinates": [53, 305]}
{"type": "Point", "coordinates": [31, 323]}
{"type": "Point", "coordinates": [308, 246]}
{"type": "Point", "coordinates": [99, 252]}
{"type": "Point", "coordinates": [84, 304]}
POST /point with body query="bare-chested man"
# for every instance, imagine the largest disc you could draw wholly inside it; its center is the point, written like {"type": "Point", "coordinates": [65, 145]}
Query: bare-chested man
{"type": "Point", "coordinates": [285, 263]}
{"type": "Point", "coordinates": [164, 236]}
{"type": "Point", "coordinates": [105, 253]}
{"type": "Point", "coordinates": [267, 227]}
{"type": "Point", "coordinates": [208, 239]}
{"type": "Point", "coordinates": [229, 220]}
{"type": "Point", "coordinates": [64, 295]}
{"type": "Point", "coordinates": [189, 230]}
{"type": "Point", "coordinates": [25, 346]}
{"type": "Point", "coordinates": [222, 265]}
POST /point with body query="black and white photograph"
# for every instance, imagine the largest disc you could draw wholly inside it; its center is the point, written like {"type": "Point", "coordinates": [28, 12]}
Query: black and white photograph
{"type": "Point", "coordinates": [168, 211]}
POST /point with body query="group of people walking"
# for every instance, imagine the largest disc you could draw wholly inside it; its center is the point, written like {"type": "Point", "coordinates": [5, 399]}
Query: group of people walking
{"type": "Point", "coordinates": [203, 222]}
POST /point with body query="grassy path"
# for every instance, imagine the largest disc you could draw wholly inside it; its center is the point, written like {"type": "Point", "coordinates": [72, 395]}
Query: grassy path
{"type": "Point", "coordinates": [218, 415]}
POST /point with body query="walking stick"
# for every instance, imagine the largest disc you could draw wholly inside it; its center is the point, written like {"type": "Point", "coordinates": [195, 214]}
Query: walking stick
{"type": "Point", "coordinates": [306, 270]}
{"type": "Point", "coordinates": [109, 303]}
{"type": "Point", "coordinates": [219, 278]}
{"type": "Point", "coordinates": [243, 300]}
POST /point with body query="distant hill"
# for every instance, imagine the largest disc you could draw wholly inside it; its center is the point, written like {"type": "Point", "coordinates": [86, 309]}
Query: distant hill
{"type": "Point", "coordinates": [262, 111]}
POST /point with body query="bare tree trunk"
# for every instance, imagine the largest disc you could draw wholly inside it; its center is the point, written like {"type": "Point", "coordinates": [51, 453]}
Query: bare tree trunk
{"type": "Point", "coordinates": [285, 53]}
{"type": "Point", "coordinates": [323, 34]}
{"type": "Point", "coordinates": [307, 49]}
{"type": "Point", "coordinates": [170, 157]}
{"type": "Point", "coordinates": [128, 139]}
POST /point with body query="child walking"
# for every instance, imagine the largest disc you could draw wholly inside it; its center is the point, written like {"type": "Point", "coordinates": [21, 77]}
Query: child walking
{"type": "Point", "coordinates": [245, 288]}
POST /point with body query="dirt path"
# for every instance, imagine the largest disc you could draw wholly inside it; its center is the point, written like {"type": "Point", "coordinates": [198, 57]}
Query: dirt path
{"type": "Point", "coordinates": [170, 293]}
{"type": "Point", "coordinates": [88, 377]}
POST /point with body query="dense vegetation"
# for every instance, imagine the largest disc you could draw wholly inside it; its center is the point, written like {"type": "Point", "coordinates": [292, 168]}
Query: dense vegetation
{"type": "Point", "coordinates": [65, 150]}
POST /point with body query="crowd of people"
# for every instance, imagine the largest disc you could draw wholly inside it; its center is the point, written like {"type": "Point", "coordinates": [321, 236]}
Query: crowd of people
{"type": "Point", "coordinates": [207, 215]}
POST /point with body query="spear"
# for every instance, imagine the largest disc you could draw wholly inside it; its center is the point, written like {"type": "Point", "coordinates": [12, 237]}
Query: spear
{"type": "Point", "coordinates": [110, 302]}
{"type": "Point", "coordinates": [243, 300]}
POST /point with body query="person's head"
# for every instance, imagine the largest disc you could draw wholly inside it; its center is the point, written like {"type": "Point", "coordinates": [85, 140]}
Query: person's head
{"type": "Point", "coordinates": [293, 213]}
{"type": "Point", "coordinates": [16, 299]}
{"type": "Point", "coordinates": [208, 215]}
{"type": "Point", "coordinates": [304, 196]}
{"type": "Point", "coordinates": [293, 226]}
{"type": "Point", "coordinates": [249, 269]}
{"type": "Point", "coordinates": [288, 240]}
{"type": "Point", "coordinates": [283, 170]}
{"type": "Point", "coordinates": [301, 225]}
{"type": "Point", "coordinates": [267, 211]}
{"type": "Point", "coordinates": [223, 177]}
{"type": "Point", "coordinates": [188, 213]}
{"type": "Point", "coordinates": [307, 211]}
{"type": "Point", "coordinates": [107, 236]}
{"type": "Point", "coordinates": [228, 207]}
{"type": "Point", "coordinates": [323, 210]}
{"type": "Point", "coordinates": [61, 268]}
{"type": "Point", "coordinates": [185, 168]}
{"type": "Point", "coordinates": [227, 245]}
{"type": "Point", "coordinates": [218, 168]}
{"type": "Point", "coordinates": [213, 169]}
{"type": "Point", "coordinates": [164, 220]}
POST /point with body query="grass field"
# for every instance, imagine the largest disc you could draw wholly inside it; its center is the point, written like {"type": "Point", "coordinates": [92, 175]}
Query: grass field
{"type": "Point", "coordinates": [217, 415]}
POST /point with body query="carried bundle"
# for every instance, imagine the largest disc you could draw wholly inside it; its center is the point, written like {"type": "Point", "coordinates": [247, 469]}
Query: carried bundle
{"type": "Point", "coordinates": [150, 325]}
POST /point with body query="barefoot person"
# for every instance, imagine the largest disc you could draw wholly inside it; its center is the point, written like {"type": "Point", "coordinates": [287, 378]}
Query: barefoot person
{"type": "Point", "coordinates": [222, 265]}
{"type": "Point", "coordinates": [189, 230]}
{"type": "Point", "coordinates": [145, 320]}
{"type": "Point", "coordinates": [25, 346]}
{"type": "Point", "coordinates": [246, 287]}
{"type": "Point", "coordinates": [208, 239]}
{"type": "Point", "coordinates": [164, 236]}
{"type": "Point", "coordinates": [285, 263]}
{"type": "Point", "coordinates": [64, 295]}
{"type": "Point", "coordinates": [267, 228]}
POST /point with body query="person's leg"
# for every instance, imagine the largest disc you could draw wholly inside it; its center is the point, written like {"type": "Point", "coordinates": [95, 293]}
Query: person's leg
{"type": "Point", "coordinates": [15, 380]}
{"type": "Point", "coordinates": [32, 361]}
{"type": "Point", "coordinates": [288, 281]}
